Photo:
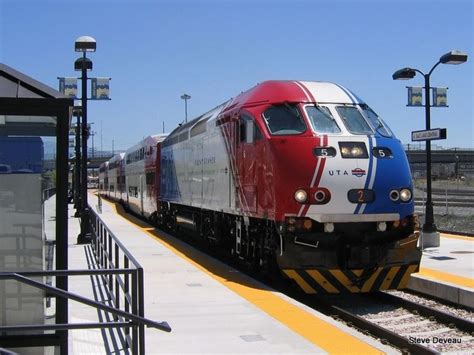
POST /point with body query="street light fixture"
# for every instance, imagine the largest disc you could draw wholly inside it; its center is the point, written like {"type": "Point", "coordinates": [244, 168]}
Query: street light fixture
{"type": "Point", "coordinates": [185, 97]}
{"type": "Point", "coordinates": [453, 57]}
{"type": "Point", "coordinates": [404, 74]}
{"type": "Point", "coordinates": [84, 44]}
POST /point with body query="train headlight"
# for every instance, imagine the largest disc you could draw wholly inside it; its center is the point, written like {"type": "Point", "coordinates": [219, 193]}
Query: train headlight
{"type": "Point", "coordinates": [328, 227]}
{"type": "Point", "coordinates": [301, 196]}
{"type": "Point", "coordinates": [356, 151]}
{"type": "Point", "coordinates": [345, 151]}
{"type": "Point", "coordinates": [405, 195]}
{"type": "Point", "coordinates": [353, 150]}
{"type": "Point", "coordinates": [382, 226]}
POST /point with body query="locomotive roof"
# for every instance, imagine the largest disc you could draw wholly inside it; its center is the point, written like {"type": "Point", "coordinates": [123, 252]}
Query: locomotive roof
{"type": "Point", "coordinates": [278, 91]}
{"type": "Point", "coordinates": [186, 127]}
{"type": "Point", "coordinates": [273, 92]}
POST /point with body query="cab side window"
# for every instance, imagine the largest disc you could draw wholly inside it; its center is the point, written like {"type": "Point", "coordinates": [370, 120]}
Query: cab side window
{"type": "Point", "coordinates": [284, 120]}
{"type": "Point", "coordinates": [248, 130]}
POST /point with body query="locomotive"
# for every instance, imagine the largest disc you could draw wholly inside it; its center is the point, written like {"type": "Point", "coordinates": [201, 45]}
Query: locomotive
{"type": "Point", "coordinates": [302, 177]}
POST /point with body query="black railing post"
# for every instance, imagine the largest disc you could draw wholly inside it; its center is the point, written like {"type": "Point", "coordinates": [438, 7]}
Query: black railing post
{"type": "Point", "coordinates": [134, 311]}
{"type": "Point", "coordinates": [141, 308]}
{"type": "Point", "coordinates": [127, 289]}
{"type": "Point", "coordinates": [117, 285]}
{"type": "Point", "coordinates": [103, 245]}
{"type": "Point", "coordinates": [110, 263]}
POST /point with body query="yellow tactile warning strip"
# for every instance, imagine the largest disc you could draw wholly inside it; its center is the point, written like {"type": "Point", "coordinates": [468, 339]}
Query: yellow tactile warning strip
{"type": "Point", "coordinates": [455, 236]}
{"type": "Point", "coordinates": [317, 331]}
{"type": "Point", "coordinates": [443, 276]}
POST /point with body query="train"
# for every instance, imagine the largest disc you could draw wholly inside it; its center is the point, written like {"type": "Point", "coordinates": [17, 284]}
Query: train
{"type": "Point", "coordinates": [298, 179]}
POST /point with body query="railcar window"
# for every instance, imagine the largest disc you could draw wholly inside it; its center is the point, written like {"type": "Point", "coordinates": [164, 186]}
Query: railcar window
{"type": "Point", "coordinates": [200, 127]}
{"type": "Point", "coordinates": [134, 156]}
{"type": "Point", "coordinates": [150, 178]}
{"type": "Point", "coordinates": [376, 121]}
{"type": "Point", "coordinates": [353, 119]}
{"type": "Point", "coordinates": [183, 136]}
{"type": "Point", "coordinates": [284, 120]}
{"type": "Point", "coordinates": [322, 119]}
{"type": "Point", "coordinates": [249, 131]}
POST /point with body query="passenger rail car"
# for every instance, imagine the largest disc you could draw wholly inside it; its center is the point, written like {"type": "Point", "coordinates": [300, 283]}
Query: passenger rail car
{"type": "Point", "coordinates": [116, 177]}
{"type": "Point", "coordinates": [141, 163]}
{"type": "Point", "coordinates": [302, 175]}
{"type": "Point", "coordinates": [104, 178]}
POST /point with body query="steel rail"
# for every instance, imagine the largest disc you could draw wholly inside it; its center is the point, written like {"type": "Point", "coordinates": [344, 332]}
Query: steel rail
{"type": "Point", "coordinates": [440, 316]}
{"type": "Point", "coordinates": [385, 335]}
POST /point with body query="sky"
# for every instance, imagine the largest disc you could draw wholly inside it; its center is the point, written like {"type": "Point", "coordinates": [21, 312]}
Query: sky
{"type": "Point", "coordinates": [155, 51]}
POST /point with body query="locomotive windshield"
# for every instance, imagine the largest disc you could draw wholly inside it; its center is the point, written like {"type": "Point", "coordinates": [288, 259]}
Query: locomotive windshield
{"type": "Point", "coordinates": [376, 121]}
{"type": "Point", "coordinates": [322, 120]}
{"type": "Point", "coordinates": [353, 119]}
{"type": "Point", "coordinates": [284, 120]}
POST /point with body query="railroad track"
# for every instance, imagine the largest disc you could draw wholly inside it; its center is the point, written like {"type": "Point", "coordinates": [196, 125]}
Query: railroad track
{"type": "Point", "coordinates": [450, 192]}
{"type": "Point", "coordinates": [442, 203]}
{"type": "Point", "coordinates": [409, 326]}
{"type": "Point", "coordinates": [454, 192]}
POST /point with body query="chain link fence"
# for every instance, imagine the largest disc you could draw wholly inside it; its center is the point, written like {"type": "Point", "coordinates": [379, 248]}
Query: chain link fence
{"type": "Point", "coordinates": [453, 200]}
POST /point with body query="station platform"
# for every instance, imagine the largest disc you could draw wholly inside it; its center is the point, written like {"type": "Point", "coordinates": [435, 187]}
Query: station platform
{"type": "Point", "coordinates": [447, 271]}
{"type": "Point", "coordinates": [211, 307]}
{"type": "Point", "coordinates": [214, 309]}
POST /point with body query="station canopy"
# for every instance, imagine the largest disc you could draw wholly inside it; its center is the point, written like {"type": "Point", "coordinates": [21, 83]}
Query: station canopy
{"type": "Point", "coordinates": [28, 107]}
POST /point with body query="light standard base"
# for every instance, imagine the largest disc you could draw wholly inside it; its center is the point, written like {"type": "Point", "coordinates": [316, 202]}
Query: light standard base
{"type": "Point", "coordinates": [429, 239]}
{"type": "Point", "coordinates": [85, 238]}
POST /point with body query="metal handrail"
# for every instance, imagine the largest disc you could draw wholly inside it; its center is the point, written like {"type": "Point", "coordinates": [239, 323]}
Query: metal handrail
{"type": "Point", "coordinates": [125, 283]}
{"type": "Point", "coordinates": [78, 298]}
{"type": "Point", "coordinates": [109, 251]}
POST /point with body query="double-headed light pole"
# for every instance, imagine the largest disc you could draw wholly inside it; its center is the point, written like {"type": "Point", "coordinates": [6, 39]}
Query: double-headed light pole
{"type": "Point", "coordinates": [453, 57]}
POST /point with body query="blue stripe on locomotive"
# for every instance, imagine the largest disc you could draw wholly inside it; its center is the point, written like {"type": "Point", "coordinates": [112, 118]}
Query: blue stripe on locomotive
{"type": "Point", "coordinates": [391, 174]}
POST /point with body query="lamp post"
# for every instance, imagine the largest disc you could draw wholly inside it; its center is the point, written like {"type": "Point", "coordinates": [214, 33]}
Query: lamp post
{"type": "Point", "coordinates": [185, 97]}
{"type": "Point", "coordinates": [77, 111]}
{"type": "Point", "coordinates": [92, 136]}
{"type": "Point", "coordinates": [453, 57]}
{"type": "Point", "coordinates": [84, 44]}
